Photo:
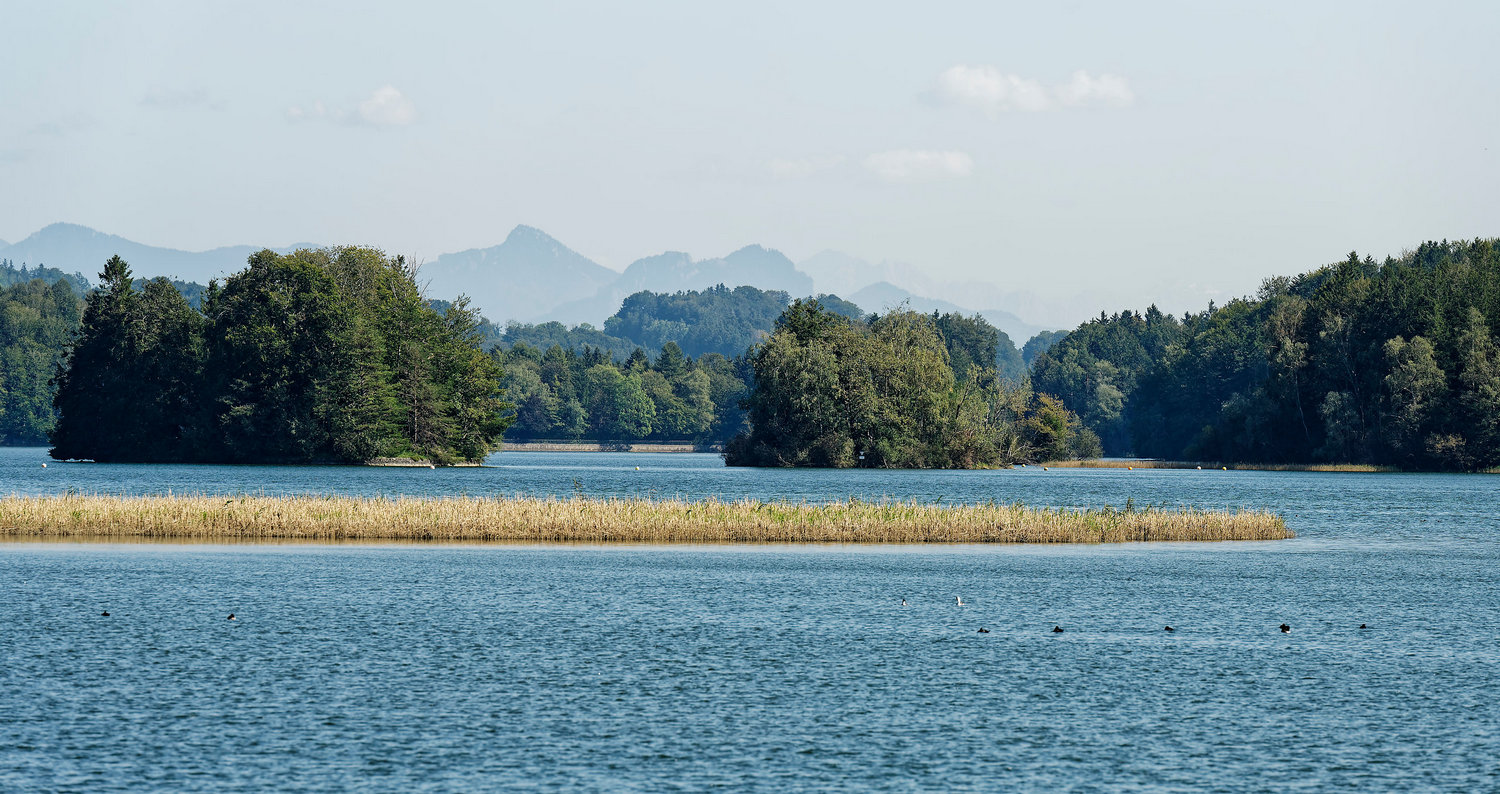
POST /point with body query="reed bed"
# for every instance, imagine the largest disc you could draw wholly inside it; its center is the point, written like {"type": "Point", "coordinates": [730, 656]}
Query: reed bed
{"type": "Point", "coordinates": [581, 520]}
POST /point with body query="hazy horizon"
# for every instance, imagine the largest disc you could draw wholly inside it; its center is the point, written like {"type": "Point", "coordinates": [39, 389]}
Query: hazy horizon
{"type": "Point", "coordinates": [1106, 150]}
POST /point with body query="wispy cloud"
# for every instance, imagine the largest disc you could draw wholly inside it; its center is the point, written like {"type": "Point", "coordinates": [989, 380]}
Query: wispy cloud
{"type": "Point", "coordinates": [804, 167]}
{"type": "Point", "coordinates": [912, 165]}
{"type": "Point", "coordinates": [995, 92]}
{"type": "Point", "coordinates": [180, 99]}
{"type": "Point", "coordinates": [1106, 89]}
{"type": "Point", "coordinates": [386, 107]}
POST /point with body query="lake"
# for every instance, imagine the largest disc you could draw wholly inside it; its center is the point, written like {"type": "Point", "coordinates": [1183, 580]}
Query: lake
{"type": "Point", "coordinates": [408, 667]}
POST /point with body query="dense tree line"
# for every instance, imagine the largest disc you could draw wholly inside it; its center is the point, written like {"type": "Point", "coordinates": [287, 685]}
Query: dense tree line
{"type": "Point", "coordinates": [727, 322]}
{"type": "Point", "coordinates": [11, 275]}
{"type": "Point", "coordinates": [716, 320]}
{"type": "Point", "coordinates": [1392, 362]}
{"type": "Point", "coordinates": [883, 392]}
{"type": "Point", "coordinates": [564, 394]}
{"type": "Point", "coordinates": [37, 321]}
{"type": "Point", "coordinates": [329, 355]}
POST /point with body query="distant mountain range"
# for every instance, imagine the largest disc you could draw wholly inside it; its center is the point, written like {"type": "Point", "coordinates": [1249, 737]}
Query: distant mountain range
{"type": "Point", "coordinates": [675, 271]}
{"type": "Point", "coordinates": [531, 277]}
{"type": "Point", "coordinates": [70, 247]}
{"type": "Point", "coordinates": [526, 275]}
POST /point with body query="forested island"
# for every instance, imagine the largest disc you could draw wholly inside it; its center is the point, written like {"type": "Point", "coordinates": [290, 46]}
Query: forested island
{"type": "Point", "coordinates": [899, 390]}
{"type": "Point", "coordinates": [329, 355]}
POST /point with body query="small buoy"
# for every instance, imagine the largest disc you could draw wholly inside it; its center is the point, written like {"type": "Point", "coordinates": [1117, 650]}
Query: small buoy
{"type": "Point", "coordinates": [44, 465]}
{"type": "Point", "coordinates": [1169, 628]}
{"type": "Point", "coordinates": [984, 631]}
{"type": "Point", "coordinates": [1200, 468]}
{"type": "Point", "coordinates": [1223, 468]}
{"type": "Point", "coordinates": [430, 466]}
{"type": "Point", "coordinates": [106, 614]}
{"type": "Point", "coordinates": [1285, 629]}
{"type": "Point", "coordinates": [637, 468]}
{"type": "Point", "coordinates": [231, 616]}
{"type": "Point", "coordinates": [1131, 468]}
{"type": "Point", "coordinates": [1057, 629]}
{"type": "Point", "coordinates": [1044, 468]}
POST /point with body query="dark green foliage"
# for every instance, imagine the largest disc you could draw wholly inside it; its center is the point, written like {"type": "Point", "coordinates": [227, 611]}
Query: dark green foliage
{"type": "Point", "coordinates": [1039, 344]}
{"type": "Point", "coordinates": [834, 392]}
{"type": "Point", "coordinates": [561, 394]}
{"type": "Point", "coordinates": [327, 355]}
{"type": "Point", "coordinates": [545, 335]}
{"type": "Point", "coordinates": [128, 390]}
{"type": "Point", "coordinates": [716, 320]}
{"type": "Point", "coordinates": [1388, 363]}
{"type": "Point", "coordinates": [10, 275]}
{"type": "Point", "coordinates": [37, 321]}
{"type": "Point", "coordinates": [191, 291]}
{"type": "Point", "coordinates": [837, 305]}
{"type": "Point", "coordinates": [974, 345]}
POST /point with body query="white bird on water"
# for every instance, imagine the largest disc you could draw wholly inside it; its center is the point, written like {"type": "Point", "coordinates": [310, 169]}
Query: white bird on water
{"type": "Point", "coordinates": [960, 600]}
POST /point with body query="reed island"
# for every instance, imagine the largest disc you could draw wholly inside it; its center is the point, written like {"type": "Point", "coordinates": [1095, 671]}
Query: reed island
{"type": "Point", "coordinates": [584, 520]}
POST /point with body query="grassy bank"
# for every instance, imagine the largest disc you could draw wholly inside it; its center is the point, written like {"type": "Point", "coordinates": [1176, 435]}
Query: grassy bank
{"type": "Point", "coordinates": [608, 520]}
{"type": "Point", "coordinates": [1183, 464]}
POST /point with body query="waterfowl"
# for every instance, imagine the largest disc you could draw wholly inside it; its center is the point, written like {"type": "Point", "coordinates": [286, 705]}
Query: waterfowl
{"type": "Point", "coordinates": [231, 616]}
{"type": "Point", "coordinates": [960, 600]}
{"type": "Point", "coordinates": [1363, 626]}
{"type": "Point", "coordinates": [1057, 629]}
{"type": "Point", "coordinates": [984, 631]}
{"type": "Point", "coordinates": [106, 614]}
{"type": "Point", "coordinates": [1169, 628]}
{"type": "Point", "coordinates": [903, 603]}
{"type": "Point", "coordinates": [1285, 629]}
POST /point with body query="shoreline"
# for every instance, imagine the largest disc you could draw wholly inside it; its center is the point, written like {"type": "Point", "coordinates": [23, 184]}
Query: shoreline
{"type": "Point", "coordinates": [608, 521]}
{"type": "Point", "coordinates": [1148, 463]}
{"type": "Point", "coordinates": [607, 446]}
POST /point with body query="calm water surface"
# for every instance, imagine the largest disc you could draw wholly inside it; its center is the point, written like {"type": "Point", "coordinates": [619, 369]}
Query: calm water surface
{"type": "Point", "coordinates": [648, 668]}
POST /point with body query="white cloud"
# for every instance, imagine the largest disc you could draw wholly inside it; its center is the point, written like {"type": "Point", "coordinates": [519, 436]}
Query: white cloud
{"type": "Point", "coordinates": [1106, 89]}
{"type": "Point", "coordinates": [993, 91]}
{"type": "Point", "coordinates": [990, 89]}
{"type": "Point", "coordinates": [387, 107]}
{"type": "Point", "coordinates": [910, 165]}
{"type": "Point", "coordinates": [804, 167]}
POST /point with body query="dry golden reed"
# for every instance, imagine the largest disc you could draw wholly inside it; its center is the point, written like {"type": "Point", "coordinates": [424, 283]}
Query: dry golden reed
{"type": "Point", "coordinates": [580, 520]}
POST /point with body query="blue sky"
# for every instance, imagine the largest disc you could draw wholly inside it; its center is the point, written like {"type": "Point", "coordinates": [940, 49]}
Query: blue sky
{"type": "Point", "coordinates": [1135, 148]}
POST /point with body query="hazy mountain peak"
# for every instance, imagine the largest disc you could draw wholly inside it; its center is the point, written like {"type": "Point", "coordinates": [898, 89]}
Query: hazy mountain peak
{"type": "Point", "coordinates": [74, 247]}
{"type": "Point", "coordinates": [529, 271]}
{"type": "Point", "coordinates": [530, 234]}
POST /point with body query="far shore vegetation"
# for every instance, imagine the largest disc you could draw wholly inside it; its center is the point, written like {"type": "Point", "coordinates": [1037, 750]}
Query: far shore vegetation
{"type": "Point", "coordinates": [336, 355]}
{"type": "Point", "coordinates": [1386, 363]}
{"type": "Point", "coordinates": [583, 520]}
